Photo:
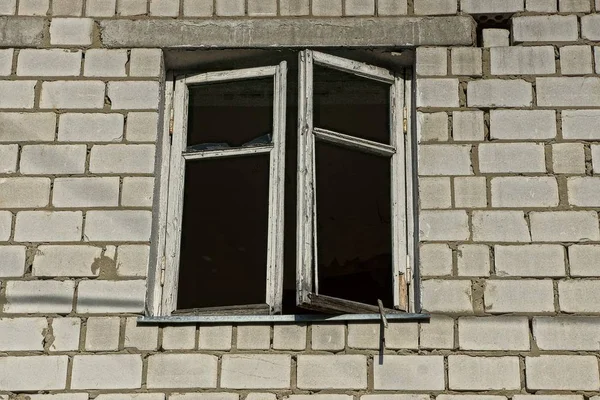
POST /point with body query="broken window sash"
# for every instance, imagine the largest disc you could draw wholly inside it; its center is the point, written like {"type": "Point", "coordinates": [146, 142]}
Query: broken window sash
{"type": "Point", "coordinates": [308, 295]}
{"type": "Point", "coordinates": [181, 153]}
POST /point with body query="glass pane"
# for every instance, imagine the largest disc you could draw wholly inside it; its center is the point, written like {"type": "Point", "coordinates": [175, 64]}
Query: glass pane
{"type": "Point", "coordinates": [352, 105]}
{"type": "Point", "coordinates": [230, 114]}
{"type": "Point", "coordinates": [354, 225]}
{"type": "Point", "coordinates": [224, 237]}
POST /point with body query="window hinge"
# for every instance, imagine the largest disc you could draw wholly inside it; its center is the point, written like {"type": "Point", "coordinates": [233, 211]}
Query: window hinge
{"type": "Point", "coordinates": [408, 270]}
{"type": "Point", "coordinates": [405, 121]}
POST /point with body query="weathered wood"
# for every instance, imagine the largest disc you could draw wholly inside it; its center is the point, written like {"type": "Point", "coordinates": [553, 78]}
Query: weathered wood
{"type": "Point", "coordinates": [353, 67]}
{"type": "Point", "coordinates": [354, 143]}
{"type": "Point", "coordinates": [411, 219]}
{"type": "Point", "coordinates": [222, 153]}
{"type": "Point", "coordinates": [248, 309]}
{"type": "Point", "coordinates": [232, 75]}
{"type": "Point", "coordinates": [334, 305]}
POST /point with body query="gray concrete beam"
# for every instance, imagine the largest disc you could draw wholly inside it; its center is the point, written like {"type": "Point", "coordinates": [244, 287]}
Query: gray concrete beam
{"type": "Point", "coordinates": [21, 31]}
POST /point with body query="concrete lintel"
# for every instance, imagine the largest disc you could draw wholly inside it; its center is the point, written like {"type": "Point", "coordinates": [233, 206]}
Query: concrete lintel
{"type": "Point", "coordinates": [21, 31]}
{"type": "Point", "coordinates": [290, 32]}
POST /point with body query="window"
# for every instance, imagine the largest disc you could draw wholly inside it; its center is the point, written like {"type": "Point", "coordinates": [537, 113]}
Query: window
{"type": "Point", "coordinates": [245, 158]}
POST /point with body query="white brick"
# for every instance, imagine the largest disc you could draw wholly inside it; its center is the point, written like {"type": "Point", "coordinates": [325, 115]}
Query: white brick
{"type": "Point", "coordinates": [102, 334]}
{"type": "Point", "coordinates": [119, 158]}
{"type": "Point", "coordinates": [409, 373]}
{"type": "Point", "coordinates": [438, 333]}
{"type": "Point", "coordinates": [491, 6]}
{"type": "Point", "coordinates": [261, 396]}
{"type": "Point", "coordinates": [179, 337]}
{"type": "Point", "coordinates": [511, 157]}
{"type": "Point", "coordinates": [483, 373]}
{"type": "Point", "coordinates": [581, 124]}
{"type": "Point", "coordinates": [199, 8]}
{"type": "Point", "coordinates": [432, 61]}
{"type": "Point", "coordinates": [142, 126]}
{"type": "Point", "coordinates": [122, 371]}
{"type": "Point", "coordinates": [437, 93]}
{"type": "Point", "coordinates": [141, 337]}
{"type": "Point", "coordinates": [205, 396]}
{"type": "Point", "coordinates": [435, 7]}
{"type": "Point", "coordinates": [327, 8]}
{"type": "Point", "coordinates": [363, 336]}
{"type": "Point", "coordinates": [468, 126]}
{"type": "Point", "coordinates": [102, 62]}
{"type": "Point", "coordinates": [564, 226]}
{"type": "Point", "coordinates": [590, 28]}
{"type": "Point", "coordinates": [131, 396]}
{"type": "Point", "coordinates": [34, 7]}
{"type": "Point", "coordinates": [542, 6]}
{"type": "Point", "coordinates": [146, 62]}
{"type": "Point", "coordinates": [22, 334]}
{"type": "Point", "coordinates": [435, 193]}
{"type": "Point", "coordinates": [17, 94]}
{"type": "Point", "coordinates": [32, 373]}
{"type": "Point", "coordinates": [328, 337]}
{"type": "Point", "coordinates": [574, 6]}
{"type": "Point", "coordinates": [596, 159]}
{"type": "Point", "coordinates": [432, 127]}
{"type": "Point", "coordinates": [499, 93]}
{"type": "Point", "coordinates": [447, 296]}
{"type": "Point", "coordinates": [581, 296]}
{"type": "Point", "coordinates": [137, 192]}
{"type": "Point", "coordinates": [522, 124]}
{"type": "Point", "coordinates": [24, 192]}
{"type": "Point", "coordinates": [8, 158]}
{"type": "Point", "coordinates": [567, 333]}
{"type": "Point", "coordinates": [86, 192]}
{"type": "Point", "coordinates": [99, 297]}
{"type": "Point", "coordinates": [132, 260]}
{"type": "Point", "coordinates": [65, 94]}
{"type": "Point", "coordinates": [133, 95]}
{"type": "Point", "coordinates": [18, 127]}
{"type": "Point", "coordinates": [66, 334]}
{"type": "Point", "coordinates": [541, 260]}
{"type": "Point", "coordinates": [496, 37]}
{"type": "Point", "coordinates": [466, 61]}
{"type": "Point", "coordinates": [568, 158]}
{"type": "Point", "coordinates": [332, 372]}
{"type": "Point", "coordinates": [32, 297]}
{"type": "Point", "coordinates": [562, 372]}
{"type": "Point", "coordinates": [470, 397]}
{"type": "Point", "coordinates": [71, 31]}
{"type": "Point", "coordinates": [597, 51]}
{"type": "Point", "coordinates": [359, 7]}
{"type": "Point", "coordinates": [443, 225]}
{"type": "Point", "coordinates": [182, 371]}
{"type": "Point", "coordinates": [48, 226]}
{"type": "Point", "coordinates": [470, 192]}
{"type": "Point", "coordinates": [59, 396]}
{"type": "Point", "coordinates": [391, 7]}
{"type": "Point", "coordinates": [568, 91]}
{"type": "Point", "coordinates": [584, 260]}
{"type": "Point", "coordinates": [8, 7]}
{"type": "Point", "coordinates": [576, 60]}
{"type": "Point", "coordinates": [274, 371]}
{"type": "Point", "coordinates": [49, 63]}
{"type": "Point", "coordinates": [500, 226]}
{"type": "Point", "coordinates": [442, 159]}
{"type": "Point", "coordinates": [132, 7]}
{"type": "Point", "coordinates": [263, 8]}
{"type": "Point", "coordinates": [253, 337]}
{"type": "Point", "coordinates": [289, 337]}
{"type": "Point", "coordinates": [548, 397]}
{"type": "Point", "coordinates": [506, 333]}
{"type": "Point", "coordinates": [545, 28]}
{"type": "Point", "coordinates": [100, 8]}
{"type": "Point", "coordinates": [5, 225]}
{"type": "Point", "coordinates": [522, 60]}
{"type": "Point", "coordinates": [216, 337]}
{"type": "Point", "coordinates": [435, 260]}
{"type": "Point", "coordinates": [400, 335]}
{"type": "Point", "coordinates": [118, 226]}
{"type": "Point", "coordinates": [473, 260]}
{"type": "Point", "coordinates": [230, 8]}
{"type": "Point", "coordinates": [6, 57]}
{"type": "Point", "coordinates": [65, 260]}
{"type": "Point", "coordinates": [12, 260]}
{"type": "Point", "coordinates": [164, 8]}
{"type": "Point", "coordinates": [67, 8]}
{"type": "Point", "coordinates": [53, 159]}
{"type": "Point", "coordinates": [584, 191]}
{"type": "Point", "coordinates": [521, 191]}
{"type": "Point", "coordinates": [524, 296]}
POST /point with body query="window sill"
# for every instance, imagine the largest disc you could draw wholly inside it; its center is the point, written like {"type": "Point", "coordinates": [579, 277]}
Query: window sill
{"type": "Point", "coordinates": [299, 318]}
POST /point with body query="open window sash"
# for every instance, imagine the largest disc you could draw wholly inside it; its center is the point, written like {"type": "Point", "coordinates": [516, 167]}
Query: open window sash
{"type": "Point", "coordinates": [307, 290]}
{"type": "Point", "coordinates": [180, 154]}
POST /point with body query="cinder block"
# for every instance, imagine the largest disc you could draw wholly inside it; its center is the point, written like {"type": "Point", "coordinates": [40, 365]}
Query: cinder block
{"type": "Point", "coordinates": [332, 372]}
{"type": "Point", "coordinates": [239, 371]}
{"type": "Point", "coordinates": [66, 334]}
{"type": "Point", "coordinates": [67, 8]}
{"type": "Point", "coordinates": [521, 191]}
{"type": "Point", "coordinates": [442, 225]}
{"type": "Point", "coordinates": [468, 126]}
{"type": "Point", "coordinates": [522, 60]}
{"type": "Point", "coordinates": [576, 60]}
{"type": "Point", "coordinates": [545, 28]}
{"type": "Point", "coordinates": [568, 91]}
{"type": "Point", "coordinates": [363, 336]}
{"type": "Point", "coordinates": [198, 8]}
{"type": "Point", "coordinates": [66, 261]}
{"type": "Point", "coordinates": [466, 61]}
{"type": "Point", "coordinates": [567, 333]}
{"type": "Point", "coordinates": [34, 7]}
{"type": "Point", "coordinates": [100, 8]}
{"type": "Point", "coordinates": [137, 192]}
{"type": "Point", "coordinates": [71, 31]}
{"type": "Point", "coordinates": [511, 157]}
{"type": "Point", "coordinates": [327, 8]}
{"type": "Point", "coordinates": [216, 337]}
{"type": "Point", "coordinates": [505, 333]}
{"type": "Point", "coordinates": [132, 7]}
{"type": "Point", "coordinates": [496, 37]}
{"type": "Point", "coordinates": [500, 226]}
{"type": "Point", "coordinates": [6, 58]}
{"type": "Point", "coordinates": [470, 192]}
{"type": "Point", "coordinates": [53, 62]}
{"type": "Point", "coordinates": [590, 28]}
{"type": "Point", "coordinates": [22, 334]}
{"type": "Point", "coordinates": [102, 334]}
{"type": "Point", "coordinates": [115, 226]}
{"type": "Point", "coordinates": [118, 371]}
{"type": "Point", "coordinates": [289, 337]}
{"type": "Point", "coordinates": [328, 337]}
{"type": "Point", "coordinates": [519, 296]}
{"type": "Point", "coordinates": [90, 127]}
{"type": "Point", "coordinates": [579, 296]}
{"type": "Point", "coordinates": [262, 8]}
{"type": "Point", "coordinates": [435, 259]}
{"type": "Point", "coordinates": [22, 127]}
{"type": "Point", "coordinates": [253, 337]}
{"type": "Point", "coordinates": [12, 260]}
{"type": "Point", "coordinates": [435, 193]}
{"type": "Point", "coordinates": [86, 192]}
{"type": "Point", "coordinates": [541, 260]}
{"type": "Point", "coordinates": [522, 124]}
{"type": "Point", "coordinates": [17, 94]}
{"type": "Point", "coordinates": [5, 225]}
{"type": "Point", "coordinates": [409, 373]}
{"type": "Point", "coordinates": [103, 297]}
{"type": "Point", "coordinates": [541, 6]}
{"type": "Point", "coordinates": [32, 373]}
{"type": "Point", "coordinates": [580, 124]}
{"type": "Point", "coordinates": [435, 7]}
{"type": "Point", "coordinates": [473, 260]}
{"type": "Point", "coordinates": [53, 159]}
{"type": "Point", "coordinates": [120, 158]}
{"type": "Point", "coordinates": [432, 127]}
{"type": "Point", "coordinates": [447, 296]}
{"type": "Point", "coordinates": [483, 373]}
{"type": "Point", "coordinates": [126, 95]}
{"type": "Point", "coordinates": [552, 372]}
{"type": "Point", "coordinates": [584, 260]}
{"type": "Point", "coordinates": [499, 93]}
{"type": "Point", "coordinates": [141, 337]}
{"type": "Point", "coordinates": [445, 159]}
{"type": "Point", "coordinates": [442, 92]}
{"type": "Point", "coordinates": [432, 61]}
{"type": "Point", "coordinates": [48, 226]}
{"type": "Point", "coordinates": [564, 226]}
{"type": "Point", "coordinates": [389, 7]}
{"type": "Point", "coordinates": [568, 158]}
{"type": "Point", "coordinates": [31, 297]}
{"type": "Point", "coordinates": [132, 260]}
{"type": "Point", "coordinates": [179, 337]}
{"type": "Point", "coordinates": [491, 6]}
{"type": "Point", "coordinates": [24, 192]}
{"type": "Point", "coordinates": [230, 8]}
{"type": "Point", "coordinates": [105, 63]}
{"type": "Point", "coordinates": [146, 62]}
{"type": "Point", "coordinates": [400, 335]}
{"type": "Point", "coordinates": [164, 8]}
{"type": "Point", "coordinates": [438, 333]}
{"type": "Point", "coordinates": [72, 94]}
{"type": "Point", "coordinates": [182, 371]}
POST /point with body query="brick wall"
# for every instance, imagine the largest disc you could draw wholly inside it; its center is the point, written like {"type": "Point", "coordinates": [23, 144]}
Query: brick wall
{"type": "Point", "coordinates": [509, 150]}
